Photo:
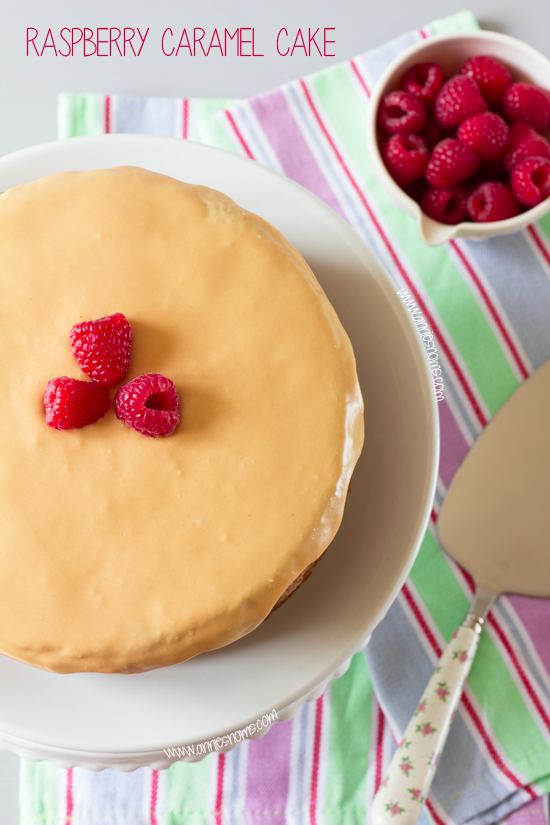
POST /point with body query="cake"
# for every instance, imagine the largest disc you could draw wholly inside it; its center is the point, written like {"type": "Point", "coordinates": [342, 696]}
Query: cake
{"type": "Point", "coordinates": [122, 553]}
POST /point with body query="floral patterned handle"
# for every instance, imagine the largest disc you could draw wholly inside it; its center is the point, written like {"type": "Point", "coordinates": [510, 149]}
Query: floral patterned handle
{"type": "Point", "coordinates": [404, 789]}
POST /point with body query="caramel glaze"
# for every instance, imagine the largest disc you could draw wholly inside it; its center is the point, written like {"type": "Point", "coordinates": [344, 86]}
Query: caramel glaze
{"type": "Point", "coordinates": [122, 553]}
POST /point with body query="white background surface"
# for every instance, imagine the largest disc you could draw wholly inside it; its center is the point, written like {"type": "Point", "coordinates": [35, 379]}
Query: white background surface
{"type": "Point", "coordinates": [29, 86]}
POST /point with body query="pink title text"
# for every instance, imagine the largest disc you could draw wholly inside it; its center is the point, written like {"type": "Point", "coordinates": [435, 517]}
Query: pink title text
{"type": "Point", "coordinates": [111, 41]}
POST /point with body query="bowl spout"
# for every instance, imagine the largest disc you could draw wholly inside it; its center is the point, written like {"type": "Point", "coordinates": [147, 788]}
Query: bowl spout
{"type": "Point", "coordinates": [435, 233]}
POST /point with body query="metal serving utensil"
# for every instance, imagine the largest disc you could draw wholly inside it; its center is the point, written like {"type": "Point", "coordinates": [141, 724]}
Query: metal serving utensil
{"type": "Point", "coordinates": [495, 522]}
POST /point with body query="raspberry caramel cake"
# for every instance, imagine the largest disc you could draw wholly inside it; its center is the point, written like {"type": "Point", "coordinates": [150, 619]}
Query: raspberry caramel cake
{"type": "Point", "coordinates": [123, 553]}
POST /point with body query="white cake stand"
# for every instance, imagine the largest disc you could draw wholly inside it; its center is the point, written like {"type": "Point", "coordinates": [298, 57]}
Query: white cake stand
{"type": "Point", "coordinates": [102, 720]}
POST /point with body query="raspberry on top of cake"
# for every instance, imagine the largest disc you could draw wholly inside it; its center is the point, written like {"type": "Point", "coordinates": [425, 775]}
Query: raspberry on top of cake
{"type": "Point", "coordinates": [122, 553]}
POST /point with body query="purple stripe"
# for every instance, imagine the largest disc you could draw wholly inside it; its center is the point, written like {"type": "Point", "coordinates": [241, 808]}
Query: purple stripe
{"type": "Point", "coordinates": [283, 133]}
{"type": "Point", "coordinates": [535, 617]}
{"type": "Point", "coordinates": [453, 444]}
{"type": "Point", "coordinates": [534, 813]}
{"type": "Point", "coordinates": [268, 776]}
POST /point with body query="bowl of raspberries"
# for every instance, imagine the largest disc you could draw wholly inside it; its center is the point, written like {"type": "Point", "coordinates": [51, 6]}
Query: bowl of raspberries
{"type": "Point", "coordinates": [458, 133]}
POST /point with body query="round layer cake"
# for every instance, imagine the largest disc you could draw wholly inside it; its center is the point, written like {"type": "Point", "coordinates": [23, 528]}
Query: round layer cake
{"type": "Point", "coordinates": [120, 552]}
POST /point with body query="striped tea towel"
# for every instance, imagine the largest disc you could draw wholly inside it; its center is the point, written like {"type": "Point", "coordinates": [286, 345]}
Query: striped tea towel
{"type": "Point", "coordinates": [488, 304]}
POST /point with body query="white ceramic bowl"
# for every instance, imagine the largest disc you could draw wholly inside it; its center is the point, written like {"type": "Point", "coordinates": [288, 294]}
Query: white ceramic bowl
{"type": "Point", "coordinates": [100, 720]}
{"type": "Point", "coordinates": [451, 51]}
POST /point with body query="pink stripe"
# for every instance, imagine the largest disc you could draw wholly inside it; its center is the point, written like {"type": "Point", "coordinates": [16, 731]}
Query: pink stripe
{"type": "Point", "coordinates": [492, 309]}
{"type": "Point", "coordinates": [69, 797]}
{"type": "Point", "coordinates": [154, 796]}
{"type": "Point", "coordinates": [466, 702]}
{"type": "Point", "coordinates": [236, 129]}
{"type": "Point", "coordinates": [379, 750]}
{"type": "Point", "coordinates": [355, 70]}
{"type": "Point", "coordinates": [316, 754]}
{"type": "Point", "coordinates": [469, 580]}
{"type": "Point", "coordinates": [491, 748]}
{"type": "Point", "coordinates": [511, 653]}
{"type": "Point", "coordinates": [539, 243]}
{"type": "Point", "coordinates": [185, 118]}
{"type": "Point", "coordinates": [520, 671]}
{"type": "Point", "coordinates": [219, 789]}
{"type": "Point", "coordinates": [437, 818]}
{"type": "Point", "coordinates": [107, 114]}
{"type": "Point", "coordinates": [468, 392]}
{"type": "Point", "coordinates": [421, 621]}
{"type": "Point", "coordinates": [422, 34]}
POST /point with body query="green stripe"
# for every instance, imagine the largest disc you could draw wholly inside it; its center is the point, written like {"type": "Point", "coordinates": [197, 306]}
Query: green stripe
{"type": "Point", "coordinates": [543, 784]}
{"type": "Point", "coordinates": [38, 793]}
{"type": "Point", "coordinates": [544, 224]}
{"type": "Point", "coordinates": [448, 291]}
{"type": "Point", "coordinates": [517, 731]}
{"type": "Point", "coordinates": [464, 21]}
{"type": "Point", "coordinates": [206, 107]}
{"type": "Point", "coordinates": [79, 115]}
{"type": "Point", "coordinates": [212, 132]}
{"type": "Point", "coordinates": [348, 748]}
{"type": "Point", "coordinates": [438, 587]}
{"type": "Point", "coordinates": [187, 787]}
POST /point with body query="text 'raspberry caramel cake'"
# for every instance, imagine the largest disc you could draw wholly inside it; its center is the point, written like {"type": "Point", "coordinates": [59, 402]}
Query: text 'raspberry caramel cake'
{"type": "Point", "coordinates": [119, 552]}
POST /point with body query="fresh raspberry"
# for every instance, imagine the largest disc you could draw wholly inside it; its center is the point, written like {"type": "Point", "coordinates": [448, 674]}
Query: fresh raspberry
{"type": "Point", "coordinates": [525, 142]}
{"type": "Point", "coordinates": [433, 131]}
{"type": "Point", "coordinates": [458, 100]}
{"type": "Point", "coordinates": [530, 180]}
{"type": "Point", "coordinates": [401, 113]}
{"type": "Point", "coordinates": [492, 201]}
{"type": "Point", "coordinates": [406, 157]}
{"type": "Point", "coordinates": [149, 404]}
{"type": "Point", "coordinates": [451, 162]}
{"type": "Point", "coordinates": [486, 134]}
{"type": "Point", "coordinates": [528, 103]}
{"type": "Point", "coordinates": [71, 404]}
{"type": "Point", "coordinates": [423, 80]}
{"type": "Point", "coordinates": [491, 77]}
{"type": "Point", "coordinates": [102, 348]}
{"type": "Point", "coordinates": [445, 205]}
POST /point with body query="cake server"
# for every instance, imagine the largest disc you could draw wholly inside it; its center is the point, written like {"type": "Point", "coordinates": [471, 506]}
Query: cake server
{"type": "Point", "coordinates": [494, 521]}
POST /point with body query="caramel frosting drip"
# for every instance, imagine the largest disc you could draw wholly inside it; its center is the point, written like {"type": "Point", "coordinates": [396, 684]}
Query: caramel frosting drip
{"type": "Point", "coordinates": [122, 553]}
